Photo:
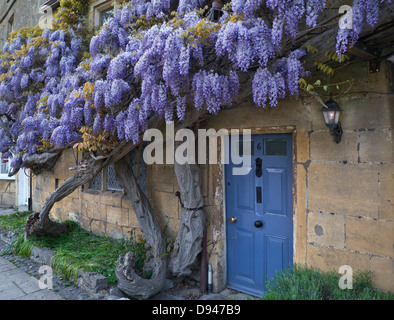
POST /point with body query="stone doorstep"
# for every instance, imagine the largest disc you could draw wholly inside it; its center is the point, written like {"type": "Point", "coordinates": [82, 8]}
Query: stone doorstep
{"type": "Point", "coordinates": [92, 282]}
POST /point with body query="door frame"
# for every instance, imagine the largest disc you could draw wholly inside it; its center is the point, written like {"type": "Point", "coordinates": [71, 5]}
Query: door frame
{"type": "Point", "coordinates": [265, 130]}
{"type": "Point", "coordinates": [22, 190]}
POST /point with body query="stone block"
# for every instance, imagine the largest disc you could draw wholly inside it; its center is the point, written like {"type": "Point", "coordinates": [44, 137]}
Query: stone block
{"type": "Point", "coordinates": [170, 227]}
{"type": "Point", "coordinates": [42, 256]}
{"type": "Point", "coordinates": [92, 282]}
{"type": "Point", "coordinates": [97, 227]}
{"type": "Point", "coordinates": [333, 187]}
{"type": "Point", "coordinates": [84, 222]}
{"type": "Point", "coordinates": [68, 156]}
{"type": "Point", "coordinates": [114, 231]}
{"type": "Point", "coordinates": [215, 187]}
{"type": "Point", "coordinates": [166, 204]}
{"type": "Point", "coordinates": [96, 210]}
{"type": "Point", "coordinates": [71, 205]}
{"type": "Point", "coordinates": [61, 170]}
{"type": "Point", "coordinates": [7, 236]}
{"type": "Point", "coordinates": [330, 259]}
{"type": "Point", "coordinates": [8, 199]}
{"type": "Point", "coordinates": [300, 225]}
{"type": "Point", "coordinates": [112, 198]}
{"type": "Point", "coordinates": [386, 192]}
{"type": "Point", "coordinates": [360, 112]}
{"type": "Point", "coordinates": [370, 236]}
{"type": "Point", "coordinates": [247, 115]}
{"type": "Point", "coordinates": [4, 185]}
{"type": "Point", "coordinates": [163, 177]}
{"type": "Point", "coordinates": [118, 216]}
{"type": "Point", "coordinates": [302, 146]}
{"type": "Point", "coordinates": [377, 146]}
{"type": "Point", "coordinates": [324, 148]}
{"type": "Point", "coordinates": [126, 203]}
{"type": "Point", "coordinates": [326, 229]}
{"type": "Point", "coordinates": [133, 221]}
{"type": "Point", "coordinates": [91, 195]}
{"type": "Point", "coordinates": [383, 273]}
{"type": "Point", "coordinates": [204, 179]}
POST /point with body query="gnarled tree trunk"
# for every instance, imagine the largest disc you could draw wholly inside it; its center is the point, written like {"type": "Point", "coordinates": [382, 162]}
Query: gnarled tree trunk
{"type": "Point", "coordinates": [187, 244]}
{"type": "Point", "coordinates": [128, 280]}
{"type": "Point", "coordinates": [190, 234]}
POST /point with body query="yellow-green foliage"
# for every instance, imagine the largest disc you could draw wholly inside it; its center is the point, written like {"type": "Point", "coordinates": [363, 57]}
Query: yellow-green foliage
{"type": "Point", "coordinates": [70, 13]}
{"type": "Point", "coordinates": [201, 31]}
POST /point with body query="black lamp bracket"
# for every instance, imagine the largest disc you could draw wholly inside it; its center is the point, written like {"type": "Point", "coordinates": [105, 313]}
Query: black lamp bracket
{"type": "Point", "coordinates": [336, 132]}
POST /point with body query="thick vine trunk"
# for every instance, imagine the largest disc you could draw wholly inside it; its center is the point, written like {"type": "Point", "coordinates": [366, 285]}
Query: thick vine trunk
{"type": "Point", "coordinates": [39, 223]}
{"type": "Point", "coordinates": [128, 280]}
{"type": "Point", "coordinates": [187, 244]}
{"type": "Point", "coordinates": [190, 234]}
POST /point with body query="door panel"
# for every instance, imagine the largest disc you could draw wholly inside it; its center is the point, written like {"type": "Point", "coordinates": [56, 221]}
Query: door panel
{"type": "Point", "coordinates": [275, 183]}
{"type": "Point", "coordinates": [259, 227]}
{"type": "Point", "coordinates": [276, 254]}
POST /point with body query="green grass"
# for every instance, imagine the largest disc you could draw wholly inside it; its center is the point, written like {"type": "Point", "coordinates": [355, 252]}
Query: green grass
{"type": "Point", "coordinates": [78, 249]}
{"type": "Point", "coordinates": [15, 222]}
{"type": "Point", "coordinates": [305, 283]}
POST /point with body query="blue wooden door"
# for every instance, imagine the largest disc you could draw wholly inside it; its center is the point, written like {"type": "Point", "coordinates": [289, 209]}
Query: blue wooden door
{"type": "Point", "coordinates": [259, 214]}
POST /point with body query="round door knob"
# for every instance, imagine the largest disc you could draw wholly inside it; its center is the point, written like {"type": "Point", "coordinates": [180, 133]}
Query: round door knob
{"type": "Point", "coordinates": [232, 220]}
{"type": "Point", "coordinates": [258, 224]}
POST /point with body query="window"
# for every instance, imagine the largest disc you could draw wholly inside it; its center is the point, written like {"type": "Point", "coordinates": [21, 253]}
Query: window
{"type": "Point", "coordinates": [5, 167]}
{"type": "Point", "coordinates": [103, 10]}
{"type": "Point", "coordinates": [10, 25]}
{"type": "Point", "coordinates": [275, 147]}
{"type": "Point", "coordinates": [106, 15]}
{"type": "Point", "coordinates": [106, 179]}
{"type": "Point", "coordinates": [96, 182]}
{"type": "Point", "coordinates": [112, 183]}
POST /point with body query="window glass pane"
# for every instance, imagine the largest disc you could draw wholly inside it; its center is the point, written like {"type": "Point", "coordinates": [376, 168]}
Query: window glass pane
{"type": "Point", "coordinates": [4, 164]}
{"type": "Point", "coordinates": [106, 15]}
{"type": "Point", "coordinates": [112, 183]}
{"type": "Point", "coordinates": [96, 182]}
{"type": "Point", "coordinates": [275, 147]}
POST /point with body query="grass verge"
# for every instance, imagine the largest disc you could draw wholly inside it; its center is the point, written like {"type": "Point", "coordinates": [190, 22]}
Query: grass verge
{"type": "Point", "coordinates": [15, 222]}
{"type": "Point", "coordinates": [76, 250]}
{"type": "Point", "coordinates": [306, 283]}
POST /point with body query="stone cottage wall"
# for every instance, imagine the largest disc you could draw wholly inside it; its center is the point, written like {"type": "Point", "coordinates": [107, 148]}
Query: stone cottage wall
{"type": "Point", "coordinates": [343, 193]}
{"type": "Point", "coordinates": [7, 193]}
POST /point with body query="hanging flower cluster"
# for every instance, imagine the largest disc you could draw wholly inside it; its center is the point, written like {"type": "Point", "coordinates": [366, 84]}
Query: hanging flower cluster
{"type": "Point", "coordinates": [57, 89]}
{"type": "Point", "coordinates": [362, 11]}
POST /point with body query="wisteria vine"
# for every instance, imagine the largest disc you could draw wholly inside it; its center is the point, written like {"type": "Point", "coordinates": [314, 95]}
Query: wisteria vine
{"type": "Point", "coordinates": [147, 61]}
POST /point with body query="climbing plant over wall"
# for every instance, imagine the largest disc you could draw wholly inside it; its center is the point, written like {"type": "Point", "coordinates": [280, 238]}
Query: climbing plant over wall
{"type": "Point", "coordinates": [153, 62]}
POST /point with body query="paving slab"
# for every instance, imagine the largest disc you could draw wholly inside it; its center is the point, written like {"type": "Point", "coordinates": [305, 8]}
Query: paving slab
{"type": "Point", "coordinates": [15, 284]}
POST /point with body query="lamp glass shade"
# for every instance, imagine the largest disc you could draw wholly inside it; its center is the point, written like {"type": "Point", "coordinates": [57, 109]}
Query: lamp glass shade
{"type": "Point", "coordinates": [331, 117]}
{"type": "Point", "coordinates": [331, 113]}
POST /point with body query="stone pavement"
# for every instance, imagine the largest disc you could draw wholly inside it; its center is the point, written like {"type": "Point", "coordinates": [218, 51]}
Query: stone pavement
{"type": "Point", "coordinates": [15, 284]}
{"type": "Point", "coordinates": [19, 281]}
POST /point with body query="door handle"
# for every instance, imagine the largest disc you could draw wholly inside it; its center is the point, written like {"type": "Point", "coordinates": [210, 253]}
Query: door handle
{"type": "Point", "coordinates": [232, 220]}
{"type": "Point", "coordinates": [258, 224]}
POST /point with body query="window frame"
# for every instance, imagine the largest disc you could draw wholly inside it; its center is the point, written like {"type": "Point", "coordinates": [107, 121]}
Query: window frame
{"type": "Point", "coordinates": [4, 176]}
{"type": "Point", "coordinates": [99, 7]}
{"type": "Point", "coordinates": [138, 152]}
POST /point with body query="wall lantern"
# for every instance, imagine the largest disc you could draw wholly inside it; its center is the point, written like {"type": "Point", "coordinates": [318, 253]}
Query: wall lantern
{"type": "Point", "coordinates": [331, 114]}
{"type": "Point", "coordinates": [216, 11]}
